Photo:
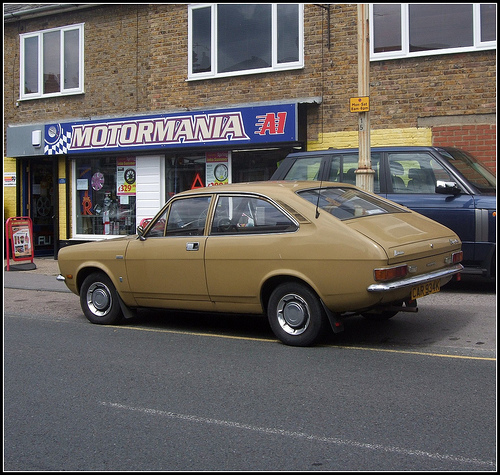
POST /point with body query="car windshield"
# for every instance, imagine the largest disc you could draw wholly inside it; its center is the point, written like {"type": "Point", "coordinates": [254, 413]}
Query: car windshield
{"type": "Point", "coordinates": [347, 203]}
{"type": "Point", "coordinates": [471, 169]}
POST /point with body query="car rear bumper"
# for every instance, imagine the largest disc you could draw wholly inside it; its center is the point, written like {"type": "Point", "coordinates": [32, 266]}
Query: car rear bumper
{"type": "Point", "coordinates": [416, 280]}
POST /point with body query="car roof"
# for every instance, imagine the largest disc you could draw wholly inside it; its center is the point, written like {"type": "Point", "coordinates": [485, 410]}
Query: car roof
{"type": "Point", "coordinates": [403, 148]}
{"type": "Point", "coordinates": [265, 187]}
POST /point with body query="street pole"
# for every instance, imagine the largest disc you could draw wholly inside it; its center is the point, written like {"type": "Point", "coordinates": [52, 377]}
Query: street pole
{"type": "Point", "coordinates": [364, 173]}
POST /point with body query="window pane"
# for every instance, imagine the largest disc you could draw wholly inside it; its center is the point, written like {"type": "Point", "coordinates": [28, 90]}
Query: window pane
{"type": "Point", "coordinates": [414, 172]}
{"type": "Point", "coordinates": [387, 27]}
{"type": "Point", "coordinates": [184, 172]}
{"type": "Point", "coordinates": [288, 33]}
{"type": "Point", "coordinates": [488, 22]}
{"type": "Point", "coordinates": [201, 40]}
{"type": "Point", "coordinates": [440, 26]}
{"type": "Point", "coordinates": [347, 203]}
{"type": "Point", "coordinates": [187, 216]}
{"type": "Point", "coordinates": [245, 215]}
{"type": "Point", "coordinates": [31, 65]}
{"type": "Point", "coordinates": [71, 59]}
{"type": "Point", "coordinates": [51, 62]}
{"type": "Point", "coordinates": [244, 37]}
{"type": "Point", "coordinates": [99, 210]}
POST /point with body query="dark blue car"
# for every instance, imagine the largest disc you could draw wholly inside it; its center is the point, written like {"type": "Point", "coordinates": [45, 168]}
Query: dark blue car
{"type": "Point", "coordinates": [443, 183]}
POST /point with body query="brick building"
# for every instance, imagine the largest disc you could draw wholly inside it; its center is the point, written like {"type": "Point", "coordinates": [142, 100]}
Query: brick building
{"type": "Point", "coordinates": [144, 100]}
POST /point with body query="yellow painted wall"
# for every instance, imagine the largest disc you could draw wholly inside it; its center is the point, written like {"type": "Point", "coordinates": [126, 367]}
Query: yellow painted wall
{"type": "Point", "coordinates": [9, 192]}
{"type": "Point", "coordinates": [412, 136]}
{"type": "Point", "coordinates": [63, 215]}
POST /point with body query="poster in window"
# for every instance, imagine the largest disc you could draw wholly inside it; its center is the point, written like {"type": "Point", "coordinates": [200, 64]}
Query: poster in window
{"type": "Point", "coordinates": [218, 167]}
{"type": "Point", "coordinates": [125, 176]}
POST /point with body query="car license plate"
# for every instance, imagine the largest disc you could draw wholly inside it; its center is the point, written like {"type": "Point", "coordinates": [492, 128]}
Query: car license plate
{"type": "Point", "coordinates": [425, 289]}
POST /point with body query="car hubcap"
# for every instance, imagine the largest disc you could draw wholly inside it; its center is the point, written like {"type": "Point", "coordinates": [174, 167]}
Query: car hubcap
{"type": "Point", "coordinates": [293, 314]}
{"type": "Point", "coordinates": [99, 299]}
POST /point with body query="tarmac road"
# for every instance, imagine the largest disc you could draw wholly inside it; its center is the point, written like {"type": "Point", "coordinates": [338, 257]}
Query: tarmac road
{"type": "Point", "coordinates": [459, 319]}
{"type": "Point", "coordinates": [184, 391]}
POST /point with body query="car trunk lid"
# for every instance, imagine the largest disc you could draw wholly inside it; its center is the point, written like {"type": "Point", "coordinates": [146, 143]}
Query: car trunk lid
{"type": "Point", "coordinates": [407, 236]}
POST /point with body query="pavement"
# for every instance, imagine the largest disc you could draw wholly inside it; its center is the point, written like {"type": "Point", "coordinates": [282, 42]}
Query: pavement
{"type": "Point", "coordinates": [39, 275]}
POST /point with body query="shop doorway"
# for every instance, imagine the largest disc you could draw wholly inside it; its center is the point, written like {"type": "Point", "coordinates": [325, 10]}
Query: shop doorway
{"type": "Point", "coordinates": [39, 203]}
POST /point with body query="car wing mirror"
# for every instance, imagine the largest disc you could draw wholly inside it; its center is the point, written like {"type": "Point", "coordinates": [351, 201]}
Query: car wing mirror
{"type": "Point", "coordinates": [447, 188]}
{"type": "Point", "coordinates": [140, 233]}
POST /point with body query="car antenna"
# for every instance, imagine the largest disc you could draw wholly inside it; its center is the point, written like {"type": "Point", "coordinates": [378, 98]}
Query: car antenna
{"type": "Point", "coordinates": [319, 194]}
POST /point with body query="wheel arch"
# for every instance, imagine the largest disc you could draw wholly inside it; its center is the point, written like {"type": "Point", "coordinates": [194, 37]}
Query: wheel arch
{"type": "Point", "coordinates": [272, 282]}
{"type": "Point", "coordinates": [84, 272]}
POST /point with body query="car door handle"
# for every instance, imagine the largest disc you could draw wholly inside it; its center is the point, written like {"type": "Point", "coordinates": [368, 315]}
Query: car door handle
{"type": "Point", "coordinates": [192, 246]}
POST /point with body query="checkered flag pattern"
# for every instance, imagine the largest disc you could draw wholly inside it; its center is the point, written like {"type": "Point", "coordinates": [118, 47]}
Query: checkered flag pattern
{"type": "Point", "coordinates": [61, 146]}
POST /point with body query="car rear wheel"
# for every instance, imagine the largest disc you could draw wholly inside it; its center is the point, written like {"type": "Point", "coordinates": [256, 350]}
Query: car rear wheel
{"type": "Point", "coordinates": [296, 315]}
{"type": "Point", "coordinates": [99, 299]}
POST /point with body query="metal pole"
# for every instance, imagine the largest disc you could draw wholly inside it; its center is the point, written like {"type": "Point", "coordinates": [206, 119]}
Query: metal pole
{"type": "Point", "coordinates": [364, 173]}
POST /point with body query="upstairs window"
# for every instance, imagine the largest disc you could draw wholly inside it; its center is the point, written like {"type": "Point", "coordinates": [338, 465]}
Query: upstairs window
{"type": "Point", "coordinates": [52, 62]}
{"type": "Point", "coordinates": [236, 39]}
{"type": "Point", "coordinates": [402, 30]}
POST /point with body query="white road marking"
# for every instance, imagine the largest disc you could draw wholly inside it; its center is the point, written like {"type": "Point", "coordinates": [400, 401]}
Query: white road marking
{"type": "Point", "coordinates": [302, 435]}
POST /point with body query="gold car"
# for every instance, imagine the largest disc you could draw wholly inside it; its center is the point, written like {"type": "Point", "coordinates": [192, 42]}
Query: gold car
{"type": "Point", "coordinates": [307, 254]}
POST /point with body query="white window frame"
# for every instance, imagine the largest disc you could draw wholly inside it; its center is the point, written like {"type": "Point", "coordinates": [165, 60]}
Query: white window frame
{"type": "Point", "coordinates": [213, 53]}
{"type": "Point", "coordinates": [40, 36]}
{"type": "Point", "coordinates": [405, 41]}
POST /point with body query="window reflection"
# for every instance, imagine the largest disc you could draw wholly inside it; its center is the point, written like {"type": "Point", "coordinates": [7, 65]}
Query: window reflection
{"type": "Point", "coordinates": [51, 62]}
{"type": "Point", "coordinates": [244, 37]}
{"type": "Point", "coordinates": [387, 27]}
{"type": "Point", "coordinates": [439, 26]}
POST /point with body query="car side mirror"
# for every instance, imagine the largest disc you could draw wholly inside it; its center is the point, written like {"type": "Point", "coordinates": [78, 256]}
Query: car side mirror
{"type": "Point", "coordinates": [140, 232]}
{"type": "Point", "coordinates": [447, 188]}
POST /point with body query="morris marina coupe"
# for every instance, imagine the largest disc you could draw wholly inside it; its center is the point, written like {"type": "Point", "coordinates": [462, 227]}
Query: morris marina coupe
{"type": "Point", "coordinates": [307, 254]}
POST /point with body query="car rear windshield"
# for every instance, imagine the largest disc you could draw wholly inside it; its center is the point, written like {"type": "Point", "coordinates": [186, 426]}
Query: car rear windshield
{"type": "Point", "coordinates": [347, 203]}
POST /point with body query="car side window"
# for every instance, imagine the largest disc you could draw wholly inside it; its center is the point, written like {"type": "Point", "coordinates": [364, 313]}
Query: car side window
{"type": "Point", "coordinates": [158, 227]}
{"type": "Point", "coordinates": [350, 163]}
{"type": "Point", "coordinates": [187, 216]}
{"type": "Point", "coordinates": [305, 168]}
{"type": "Point", "coordinates": [249, 215]}
{"type": "Point", "coordinates": [412, 172]}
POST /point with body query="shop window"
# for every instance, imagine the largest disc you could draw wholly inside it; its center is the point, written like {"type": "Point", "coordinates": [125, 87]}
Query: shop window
{"type": "Point", "coordinates": [406, 30]}
{"type": "Point", "coordinates": [184, 172]}
{"type": "Point", "coordinates": [235, 39]}
{"type": "Point", "coordinates": [256, 165]}
{"type": "Point", "coordinates": [52, 62]}
{"type": "Point", "coordinates": [106, 196]}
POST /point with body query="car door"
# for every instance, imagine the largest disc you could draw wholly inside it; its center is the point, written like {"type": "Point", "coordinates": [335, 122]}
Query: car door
{"type": "Point", "coordinates": [167, 268]}
{"type": "Point", "coordinates": [412, 182]}
{"type": "Point", "coordinates": [246, 239]}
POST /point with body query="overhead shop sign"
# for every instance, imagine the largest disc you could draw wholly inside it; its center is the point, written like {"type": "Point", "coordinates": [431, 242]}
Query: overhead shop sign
{"type": "Point", "coordinates": [243, 126]}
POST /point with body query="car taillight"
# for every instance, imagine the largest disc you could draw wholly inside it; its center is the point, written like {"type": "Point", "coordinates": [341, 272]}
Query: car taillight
{"type": "Point", "coordinates": [390, 273]}
{"type": "Point", "coordinates": [457, 257]}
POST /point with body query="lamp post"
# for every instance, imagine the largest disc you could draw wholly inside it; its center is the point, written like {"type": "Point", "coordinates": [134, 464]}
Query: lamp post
{"type": "Point", "coordinates": [364, 173]}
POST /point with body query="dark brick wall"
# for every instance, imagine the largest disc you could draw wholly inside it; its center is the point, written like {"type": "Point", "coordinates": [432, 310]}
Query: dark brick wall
{"type": "Point", "coordinates": [136, 62]}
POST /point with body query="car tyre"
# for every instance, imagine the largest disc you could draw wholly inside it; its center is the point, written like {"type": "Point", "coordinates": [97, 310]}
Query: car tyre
{"type": "Point", "coordinates": [99, 299]}
{"type": "Point", "coordinates": [296, 315]}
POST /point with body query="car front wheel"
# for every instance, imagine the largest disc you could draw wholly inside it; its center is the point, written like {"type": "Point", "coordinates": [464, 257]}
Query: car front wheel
{"type": "Point", "coordinates": [99, 299]}
{"type": "Point", "coordinates": [296, 315]}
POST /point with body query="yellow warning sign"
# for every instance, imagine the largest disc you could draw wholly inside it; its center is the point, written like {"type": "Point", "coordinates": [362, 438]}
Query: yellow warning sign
{"type": "Point", "coordinates": [359, 104]}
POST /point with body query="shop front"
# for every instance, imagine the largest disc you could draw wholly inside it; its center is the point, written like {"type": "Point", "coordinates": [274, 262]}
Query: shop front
{"type": "Point", "coordinates": [119, 171]}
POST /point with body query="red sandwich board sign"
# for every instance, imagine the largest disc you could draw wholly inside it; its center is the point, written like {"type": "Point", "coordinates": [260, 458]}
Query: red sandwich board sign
{"type": "Point", "coordinates": [19, 240]}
